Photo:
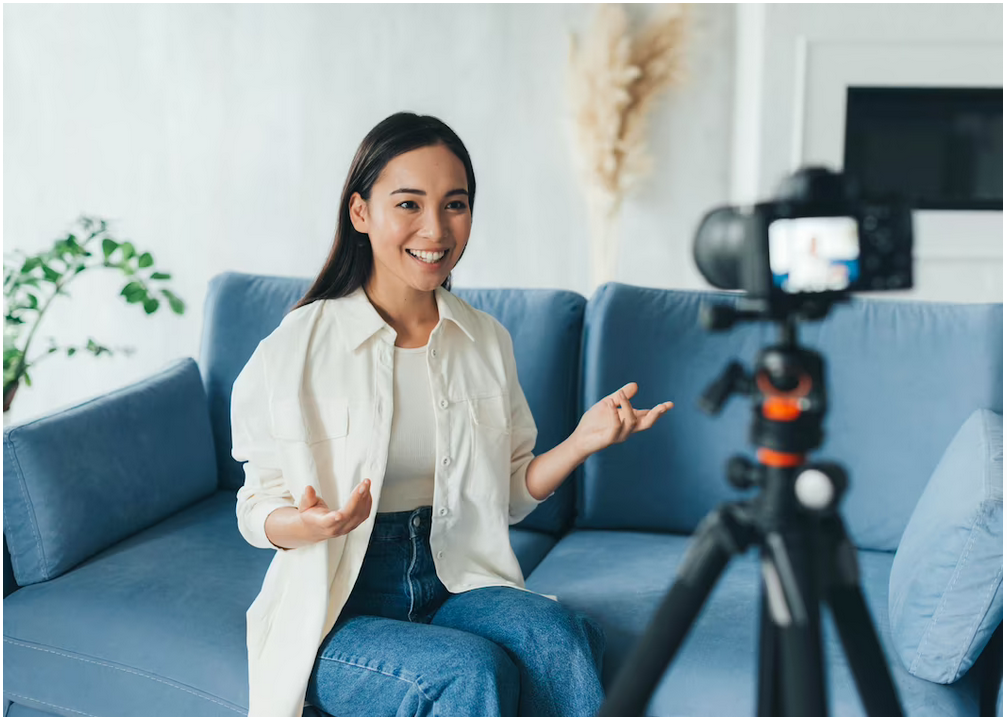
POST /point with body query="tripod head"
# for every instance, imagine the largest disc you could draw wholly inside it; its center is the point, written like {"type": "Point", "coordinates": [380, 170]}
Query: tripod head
{"type": "Point", "coordinates": [789, 401]}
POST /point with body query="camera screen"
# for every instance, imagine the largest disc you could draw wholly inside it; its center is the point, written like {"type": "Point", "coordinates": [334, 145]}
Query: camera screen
{"type": "Point", "coordinates": [814, 254]}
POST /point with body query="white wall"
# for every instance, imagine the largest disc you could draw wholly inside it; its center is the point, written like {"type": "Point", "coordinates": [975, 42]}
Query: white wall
{"type": "Point", "coordinates": [218, 138]}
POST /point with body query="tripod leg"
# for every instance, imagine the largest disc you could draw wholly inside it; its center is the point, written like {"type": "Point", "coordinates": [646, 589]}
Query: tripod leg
{"type": "Point", "coordinates": [721, 534]}
{"type": "Point", "coordinates": [798, 626]}
{"type": "Point", "coordinates": [856, 630]}
{"type": "Point", "coordinates": [769, 704]}
{"type": "Point", "coordinates": [801, 639]}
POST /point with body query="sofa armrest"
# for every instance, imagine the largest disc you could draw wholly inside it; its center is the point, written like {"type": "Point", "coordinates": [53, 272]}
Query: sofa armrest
{"type": "Point", "coordinates": [81, 479]}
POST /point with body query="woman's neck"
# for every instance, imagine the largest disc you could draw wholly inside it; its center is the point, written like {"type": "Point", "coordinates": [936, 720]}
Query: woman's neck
{"type": "Point", "coordinates": [409, 311]}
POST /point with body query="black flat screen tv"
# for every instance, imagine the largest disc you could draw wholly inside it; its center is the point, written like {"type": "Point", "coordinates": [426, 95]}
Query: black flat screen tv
{"type": "Point", "coordinates": [939, 148]}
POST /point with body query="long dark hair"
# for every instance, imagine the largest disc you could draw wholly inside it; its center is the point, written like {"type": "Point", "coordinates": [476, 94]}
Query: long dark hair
{"type": "Point", "coordinates": [351, 258]}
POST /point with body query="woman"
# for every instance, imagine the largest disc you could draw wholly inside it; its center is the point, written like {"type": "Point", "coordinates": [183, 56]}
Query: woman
{"type": "Point", "coordinates": [438, 620]}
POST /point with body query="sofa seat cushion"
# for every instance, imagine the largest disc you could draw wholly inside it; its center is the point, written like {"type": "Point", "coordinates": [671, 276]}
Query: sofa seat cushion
{"type": "Point", "coordinates": [152, 625]}
{"type": "Point", "coordinates": [620, 577]}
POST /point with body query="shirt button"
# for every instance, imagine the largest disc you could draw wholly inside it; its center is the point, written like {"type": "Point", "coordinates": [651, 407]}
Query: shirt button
{"type": "Point", "coordinates": [443, 511]}
{"type": "Point", "coordinates": [440, 555]}
{"type": "Point", "coordinates": [416, 521]}
{"type": "Point", "coordinates": [444, 403]}
{"type": "Point", "coordinates": [446, 460]}
{"type": "Point", "coordinates": [433, 352]}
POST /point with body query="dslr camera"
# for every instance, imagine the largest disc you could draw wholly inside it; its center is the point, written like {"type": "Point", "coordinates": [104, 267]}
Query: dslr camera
{"type": "Point", "coordinates": [811, 246]}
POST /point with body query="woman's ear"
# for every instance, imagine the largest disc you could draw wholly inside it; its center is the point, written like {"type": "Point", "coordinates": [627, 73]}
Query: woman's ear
{"type": "Point", "coordinates": [358, 213]}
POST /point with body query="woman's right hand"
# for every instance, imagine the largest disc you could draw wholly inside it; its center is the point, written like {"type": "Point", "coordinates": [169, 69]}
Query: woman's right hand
{"type": "Point", "coordinates": [322, 523]}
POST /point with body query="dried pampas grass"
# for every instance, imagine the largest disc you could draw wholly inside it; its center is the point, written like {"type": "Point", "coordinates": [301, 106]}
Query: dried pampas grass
{"type": "Point", "coordinates": [613, 80]}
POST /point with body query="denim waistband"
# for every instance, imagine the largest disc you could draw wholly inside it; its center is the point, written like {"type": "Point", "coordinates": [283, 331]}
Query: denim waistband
{"type": "Point", "coordinates": [403, 524]}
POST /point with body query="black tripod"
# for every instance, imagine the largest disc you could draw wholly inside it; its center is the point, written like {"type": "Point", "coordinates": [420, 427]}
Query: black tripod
{"type": "Point", "coordinates": [807, 557]}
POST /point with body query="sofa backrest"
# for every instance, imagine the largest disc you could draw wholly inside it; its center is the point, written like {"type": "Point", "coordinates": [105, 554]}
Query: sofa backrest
{"type": "Point", "coordinates": [902, 377]}
{"type": "Point", "coordinates": [546, 327]}
{"type": "Point", "coordinates": [82, 478]}
{"type": "Point", "coordinates": [240, 310]}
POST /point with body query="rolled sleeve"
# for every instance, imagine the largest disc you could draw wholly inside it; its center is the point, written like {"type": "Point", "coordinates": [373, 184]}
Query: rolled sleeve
{"type": "Point", "coordinates": [522, 503]}
{"type": "Point", "coordinates": [524, 434]}
{"type": "Point", "coordinates": [265, 490]}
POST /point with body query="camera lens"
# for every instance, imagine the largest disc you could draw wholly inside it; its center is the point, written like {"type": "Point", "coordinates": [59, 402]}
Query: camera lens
{"type": "Point", "coordinates": [718, 247]}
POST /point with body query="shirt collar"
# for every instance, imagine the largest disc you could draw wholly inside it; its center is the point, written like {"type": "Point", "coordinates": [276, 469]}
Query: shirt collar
{"type": "Point", "coordinates": [359, 320]}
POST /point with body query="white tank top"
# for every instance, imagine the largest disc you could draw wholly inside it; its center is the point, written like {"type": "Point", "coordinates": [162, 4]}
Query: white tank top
{"type": "Point", "coordinates": [409, 475]}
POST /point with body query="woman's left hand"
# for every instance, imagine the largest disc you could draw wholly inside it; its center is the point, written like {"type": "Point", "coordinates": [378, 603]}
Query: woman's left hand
{"type": "Point", "coordinates": [613, 419]}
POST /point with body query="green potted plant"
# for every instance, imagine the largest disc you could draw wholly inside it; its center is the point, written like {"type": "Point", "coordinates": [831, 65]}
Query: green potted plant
{"type": "Point", "coordinates": [32, 282]}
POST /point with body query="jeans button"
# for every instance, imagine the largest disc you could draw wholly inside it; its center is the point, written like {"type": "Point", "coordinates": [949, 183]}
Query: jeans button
{"type": "Point", "coordinates": [416, 521]}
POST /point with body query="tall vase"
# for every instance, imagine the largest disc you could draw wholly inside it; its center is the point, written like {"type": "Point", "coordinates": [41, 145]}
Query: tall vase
{"type": "Point", "coordinates": [604, 218]}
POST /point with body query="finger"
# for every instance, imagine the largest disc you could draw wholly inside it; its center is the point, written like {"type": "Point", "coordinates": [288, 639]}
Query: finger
{"type": "Point", "coordinates": [362, 489]}
{"type": "Point", "coordinates": [647, 418]}
{"type": "Point", "coordinates": [355, 511]}
{"type": "Point", "coordinates": [365, 509]}
{"type": "Point", "coordinates": [613, 405]}
{"type": "Point", "coordinates": [660, 409]}
{"type": "Point", "coordinates": [629, 389]}
{"type": "Point", "coordinates": [308, 498]}
{"type": "Point", "coordinates": [629, 416]}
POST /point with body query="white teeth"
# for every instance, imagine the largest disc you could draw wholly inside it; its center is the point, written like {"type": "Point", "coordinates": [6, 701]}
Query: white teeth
{"type": "Point", "coordinates": [428, 257]}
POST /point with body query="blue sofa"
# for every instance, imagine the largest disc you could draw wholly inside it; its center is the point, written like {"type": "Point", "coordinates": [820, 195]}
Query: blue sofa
{"type": "Point", "coordinates": [126, 580]}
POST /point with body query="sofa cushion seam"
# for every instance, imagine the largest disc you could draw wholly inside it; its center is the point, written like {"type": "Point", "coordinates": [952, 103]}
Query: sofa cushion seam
{"type": "Point", "coordinates": [12, 695]}
{"type": "Point", "coordinates": [121, 668]}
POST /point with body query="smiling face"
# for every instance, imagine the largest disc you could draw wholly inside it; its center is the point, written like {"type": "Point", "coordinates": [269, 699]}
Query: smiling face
{"type": "Point", "coordinates": [419, 203]}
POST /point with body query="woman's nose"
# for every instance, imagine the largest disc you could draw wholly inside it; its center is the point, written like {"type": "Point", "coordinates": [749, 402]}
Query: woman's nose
{"type": "Point", "coordinates": [433, 225]}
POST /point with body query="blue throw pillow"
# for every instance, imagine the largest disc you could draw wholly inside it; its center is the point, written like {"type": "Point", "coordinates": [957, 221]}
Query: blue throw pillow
{"type": "Point", "coordinates": [945, 595]}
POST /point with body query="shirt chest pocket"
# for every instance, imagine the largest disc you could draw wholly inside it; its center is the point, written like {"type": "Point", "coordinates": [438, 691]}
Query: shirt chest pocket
{"type": "Point", "coordinates": [490, 413]}
{"type": "Point", "coordinates": [310, 420]}
{"type": "Point", "coordinates": [490, 424]}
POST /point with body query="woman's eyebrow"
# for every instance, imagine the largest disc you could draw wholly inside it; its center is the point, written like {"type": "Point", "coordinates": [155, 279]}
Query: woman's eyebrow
{"type": "Point", "coordinates": [415, 191]}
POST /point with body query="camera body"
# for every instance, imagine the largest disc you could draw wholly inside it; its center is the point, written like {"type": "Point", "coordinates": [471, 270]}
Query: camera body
{"type": "Point", "coordinates": [810, 247]}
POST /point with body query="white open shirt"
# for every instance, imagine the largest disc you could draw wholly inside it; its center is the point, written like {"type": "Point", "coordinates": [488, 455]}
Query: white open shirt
{"type": "Point", "coordinates": [313, 406]}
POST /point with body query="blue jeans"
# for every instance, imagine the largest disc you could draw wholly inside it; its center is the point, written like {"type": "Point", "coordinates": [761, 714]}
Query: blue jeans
{"type": "Point", "coordinates": [404, 645]}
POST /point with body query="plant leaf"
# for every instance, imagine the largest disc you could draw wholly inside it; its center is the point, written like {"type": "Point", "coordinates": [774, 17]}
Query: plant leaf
{"type": "Point", "coordinates": [133, 291]}
{"type": "Point", "coordinates": [177, 304]}
{"type": "Point", "coordinates": [51, 274]}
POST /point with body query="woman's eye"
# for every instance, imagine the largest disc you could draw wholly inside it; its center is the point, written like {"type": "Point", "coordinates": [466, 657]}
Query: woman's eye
{"type": "Point", "coordinates": [456, 205]}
